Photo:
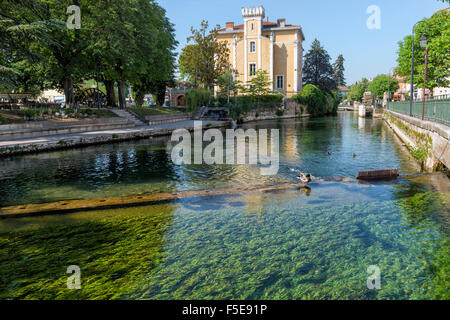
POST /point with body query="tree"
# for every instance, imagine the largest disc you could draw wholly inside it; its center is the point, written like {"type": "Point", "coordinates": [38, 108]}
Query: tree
{"type": "Point", "coordinates": [438, 37]}
{"type": "Point", "coordinates": [206, 59]}
{"type": "Point", "coordinates": [22, 26]}
{"type": "Point", "coordinates": [228, 83]}
{"type": "Point", "coordinates": [338, 71]}
{"type": "Point", "coordinates": [380, 85]}
{"type": "Point", "coordinates": [156, 71]}
{"type": "Point", "coordinates": [317, 69]}
{"type": "Point", "coordinates": [357, 90]}
{"type": "Point", "coordinates": [259, 85]}
{"type": "Point", "coordinates": [123, 41]}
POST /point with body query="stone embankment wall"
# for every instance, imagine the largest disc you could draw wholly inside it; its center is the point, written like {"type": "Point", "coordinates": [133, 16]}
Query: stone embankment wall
{"type": "Point", "coordinates": [86, 140]}
{"type": "Point", "coordinates": [48, 128]}
{"type": "Point", "coordinates": [167, 118]}
{"type": "Point", "coordinates": [291, 109]}
{"type": "Point", "coordinates": [429, 142]}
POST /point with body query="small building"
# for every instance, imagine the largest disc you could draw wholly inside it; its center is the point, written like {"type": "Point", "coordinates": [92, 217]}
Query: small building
{"type": "Point", "coordinates": [343, 90]}
{"type": "Point", "coordinates": [176, 96]}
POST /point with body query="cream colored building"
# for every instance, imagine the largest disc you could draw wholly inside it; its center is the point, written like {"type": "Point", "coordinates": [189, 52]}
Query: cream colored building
{"type": "Point", "coordinates": [259, 44]}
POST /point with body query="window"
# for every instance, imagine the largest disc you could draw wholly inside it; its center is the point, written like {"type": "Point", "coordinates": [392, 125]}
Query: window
{"type": "Point", "coordinates": [280, 82]}
{"type": "Point", "coordinates": [252, 69]}
{"type": "Point", "coordinates": [253, 27]}
{"type": "Point", "coordinates": [252, 46]}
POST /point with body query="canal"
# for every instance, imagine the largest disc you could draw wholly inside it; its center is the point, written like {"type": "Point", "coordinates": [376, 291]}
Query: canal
{"type": "Point", "coordinates": [290, 244]}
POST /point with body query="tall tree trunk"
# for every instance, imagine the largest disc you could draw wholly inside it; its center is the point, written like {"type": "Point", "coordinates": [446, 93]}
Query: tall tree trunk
{"type": "Point", "coordinates": [68, 92]}
{"type": "Point", "coordinates": [161, 94]}
{"type": "Point", "coordinates": [122, 98]}
{"type": "Point", "coordinates": [139, 99]}
{"type": "Point", "coordinates": [110, 93]}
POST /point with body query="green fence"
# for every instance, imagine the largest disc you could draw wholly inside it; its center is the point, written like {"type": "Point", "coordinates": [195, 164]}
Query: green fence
{"type": "Point", "coordinates": [435, 109]}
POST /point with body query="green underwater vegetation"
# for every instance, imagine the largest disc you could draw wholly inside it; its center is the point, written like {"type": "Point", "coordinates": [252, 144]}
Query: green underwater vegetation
{"type": "Point", "coordinates": [293, 252]}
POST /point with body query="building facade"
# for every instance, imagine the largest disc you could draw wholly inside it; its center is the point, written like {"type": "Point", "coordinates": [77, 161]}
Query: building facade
{"type": "Point", "coordinates": [258, 44]}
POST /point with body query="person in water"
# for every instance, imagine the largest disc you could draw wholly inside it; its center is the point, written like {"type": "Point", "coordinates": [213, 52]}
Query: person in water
{"type": "Point", "coordinates": [305, 179]}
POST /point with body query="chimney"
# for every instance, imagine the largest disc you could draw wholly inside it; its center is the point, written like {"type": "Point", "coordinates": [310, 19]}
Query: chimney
{"type": "Point", "coordinates": [230, 25]}
{"type": "Point", "coordinates": [281, 22]}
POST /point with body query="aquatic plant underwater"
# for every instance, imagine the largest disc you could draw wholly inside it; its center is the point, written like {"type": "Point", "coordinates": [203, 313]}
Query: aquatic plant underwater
{"type": "Point", "coordinates": [174, 251]}
{"type": "Point", "coordinates": [295, 244]}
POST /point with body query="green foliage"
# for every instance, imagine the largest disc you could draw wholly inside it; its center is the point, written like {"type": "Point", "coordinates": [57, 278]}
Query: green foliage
{"type": "Point", "coordinates": [438, 37]}
{"type": "Point", "coordinates": [206, 59]}
{"type": "Point", "coordinates": [317, 69]}
{"type": "Point", "coordinates": [119, 41]}
{"type": "Point", "coordinates": [3, 120]}
{"type": "Point", "coordinates": [338, 71]}
{"type": "Point", "coordinates": [280, 112]}
{"type": "Point", "coordinates": [319, 103]}
{"type": "Point", "coordinates": [228, 84]}
{"type": "Point", "coordinates": [380, 85]}
{"type": "Point", "coordinates": [197, 98]}
{"type": "Point", "coordinates": [420, 153]}
{"type": "Point", "coordinates": [357, 90]}
{"type": "Point", "coordinates": [154, 111]}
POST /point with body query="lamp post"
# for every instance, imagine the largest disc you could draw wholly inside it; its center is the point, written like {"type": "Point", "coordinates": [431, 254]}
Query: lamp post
{"type": "Point", "coordinates": [389, 86]}
{"type": "Point", "coordinates": [411, 98]}
{"type": "Point", "coordinates": [423, 43]}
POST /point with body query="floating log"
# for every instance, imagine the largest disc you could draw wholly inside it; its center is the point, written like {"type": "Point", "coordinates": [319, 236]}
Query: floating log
{"type": "Point", "coordinates": [379, 175]}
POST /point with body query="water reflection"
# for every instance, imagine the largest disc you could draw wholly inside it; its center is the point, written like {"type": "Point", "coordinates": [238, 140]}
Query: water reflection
{"type": "Point", "coordinates": [291, 244]}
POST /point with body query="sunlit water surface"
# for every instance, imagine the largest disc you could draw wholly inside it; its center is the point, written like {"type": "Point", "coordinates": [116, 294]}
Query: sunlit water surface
{"type": "Point", "coordinates": [291, 244]}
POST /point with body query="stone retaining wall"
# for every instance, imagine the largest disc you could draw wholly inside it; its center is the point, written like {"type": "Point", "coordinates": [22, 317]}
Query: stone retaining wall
{"type": "Point", "coordinates": [291, 109]}
{"type": "Point", "coordinates": [432, 137]}
{"type": "Point", "coordinates": [167, 118]}
{"type": "Point", "coordinates": [93, 140]}
{"type": "Point", "coordinates": [47, 128]}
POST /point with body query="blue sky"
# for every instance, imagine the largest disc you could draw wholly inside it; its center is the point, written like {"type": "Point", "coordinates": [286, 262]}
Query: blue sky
{"type": "Point", "coordinates": [339, 25]}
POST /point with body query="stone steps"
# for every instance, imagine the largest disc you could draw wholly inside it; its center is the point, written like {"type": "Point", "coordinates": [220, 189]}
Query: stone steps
{"type": "Point", "coordinates": [127, 114]}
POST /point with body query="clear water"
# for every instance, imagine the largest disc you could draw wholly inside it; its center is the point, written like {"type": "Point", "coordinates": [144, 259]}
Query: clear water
{"type": "Point", "coordinates": [294, 244]}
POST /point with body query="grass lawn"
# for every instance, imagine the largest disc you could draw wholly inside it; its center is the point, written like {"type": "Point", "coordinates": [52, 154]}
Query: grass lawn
{"type": "Point", "coordinates": [17, 116]}
{"type": "Point", "coordinates": [155, 111]}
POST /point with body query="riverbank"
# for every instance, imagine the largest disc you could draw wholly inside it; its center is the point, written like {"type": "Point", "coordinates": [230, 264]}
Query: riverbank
{"type": "Point", "coordinates": [428, 142]}
{"type": "Point", "coordinates": [72, 140]}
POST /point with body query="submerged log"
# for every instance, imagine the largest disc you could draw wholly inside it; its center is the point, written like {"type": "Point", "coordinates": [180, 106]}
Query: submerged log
{"type": "Point", "coordinates": [379, 175]}
{"type": "Point", "coordinates": [127, 201]}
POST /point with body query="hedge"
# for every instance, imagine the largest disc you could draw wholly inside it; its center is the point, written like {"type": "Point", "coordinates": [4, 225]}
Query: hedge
{"type": "Point", "coordinates": [197, 98]}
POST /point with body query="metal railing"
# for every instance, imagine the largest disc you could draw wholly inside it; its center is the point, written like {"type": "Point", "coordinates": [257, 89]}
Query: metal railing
{"type": "Point", "coordinates": [436, 109]}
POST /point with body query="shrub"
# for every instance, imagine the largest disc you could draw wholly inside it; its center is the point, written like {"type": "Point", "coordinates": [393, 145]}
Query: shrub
{"type": "Point", "coordinates": [3, 120]}
{"type": "Point", "coordinates": [280, 112]}
{"type": "Point", "coordinates": [30, 113]}
{"type": "Point", "coordinates": [87, 111]}
{"type": "Point", "coordinates": [318, 101]}
{"type": "Point", "coordinates": [314, 98]}
{"type": "Point", "coordinates": [196, 99]}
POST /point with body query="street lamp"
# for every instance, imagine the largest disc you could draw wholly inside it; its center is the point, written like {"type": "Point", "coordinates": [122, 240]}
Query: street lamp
{"type": "Point", "coordinates": [389, 86]}
{"type": "Point", "coordinates": [422, 43]}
